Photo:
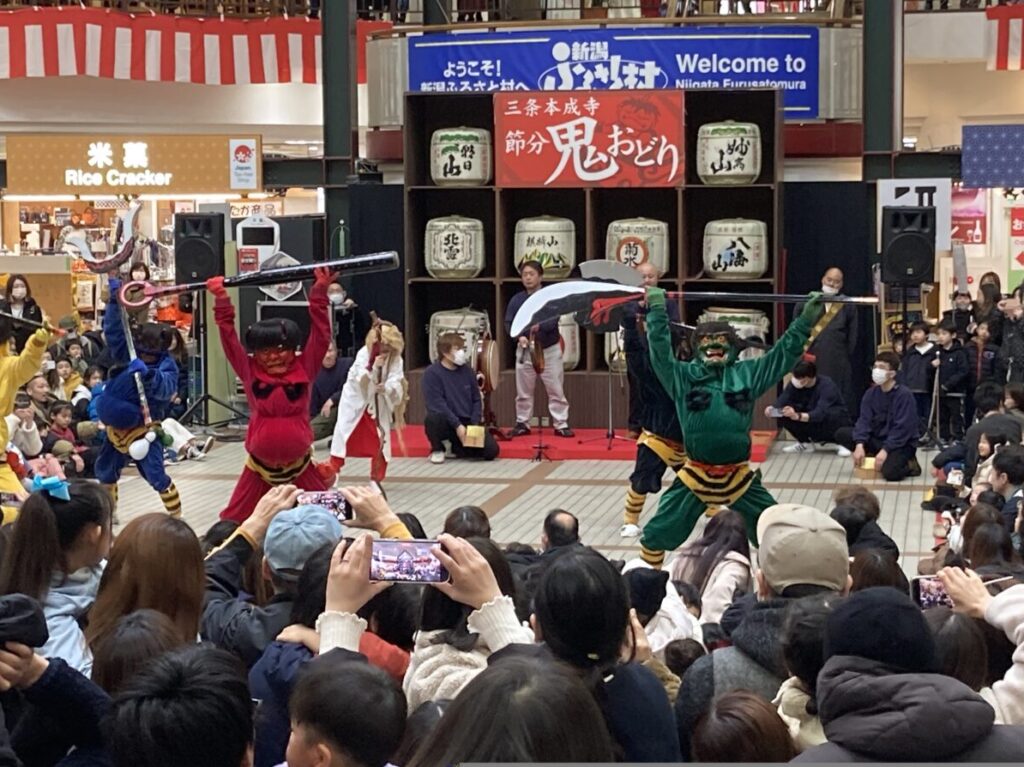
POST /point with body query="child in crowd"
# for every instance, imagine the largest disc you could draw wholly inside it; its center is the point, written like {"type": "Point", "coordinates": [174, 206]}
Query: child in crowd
{"type": "Point", "coordinates": [680, 654]}
{"type": "Point", "coordinates": [1007, 479]}
{"type": "Point", "coordinates": [899, 342]}
{"type": "Point", "coordinates": [80, 458]}
{"type": "Point", "coordinates": [72, 386]}
{"type": "Point", "coordinates": [981, 365]}
{"type": "Point", "coordinates": [961, 316]}
{"type": "Point", "coordinates": [75, 355]}
{"type": "Point", "coordinates": [915, 372]}
{"type": "Point", "coordinates": [951, 362]}
{"type": "Point", "coordinates": [988, 446]}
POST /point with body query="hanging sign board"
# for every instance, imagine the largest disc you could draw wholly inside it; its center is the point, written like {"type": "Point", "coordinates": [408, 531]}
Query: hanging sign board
{"type": "Point", "coordinates": [602, 138]}
{"type": "Point", "coordinates": [627, 59]}
{"type": "Point", "coordinates": [924, 193]}
{"type": "Point", "coordinates": [97, 164]}
{"type": "Point", "coordinates": [970, 215]}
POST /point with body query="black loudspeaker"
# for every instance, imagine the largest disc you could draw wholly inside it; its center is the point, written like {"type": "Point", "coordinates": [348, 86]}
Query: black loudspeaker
{"type": "Point", "coordinates": [908, 245]}
{"type": "Point", "coordinates": [198, 246]}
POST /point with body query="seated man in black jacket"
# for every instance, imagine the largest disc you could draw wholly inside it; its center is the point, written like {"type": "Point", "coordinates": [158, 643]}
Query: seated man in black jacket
{"type": "Point", "coordinates": [811, 408]}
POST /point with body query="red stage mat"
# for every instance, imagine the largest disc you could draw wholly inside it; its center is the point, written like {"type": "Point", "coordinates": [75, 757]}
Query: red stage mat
{"type": "Point", "coordinates": [561, 449]}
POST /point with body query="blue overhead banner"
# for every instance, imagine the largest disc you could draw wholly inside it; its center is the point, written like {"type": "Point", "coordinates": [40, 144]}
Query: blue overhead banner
{"type": "Point", "coordinates": [621, 58]}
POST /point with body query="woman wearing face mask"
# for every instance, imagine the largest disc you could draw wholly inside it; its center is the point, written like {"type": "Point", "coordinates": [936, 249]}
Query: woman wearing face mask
{"type": "Point", "coordinates": [18, 302]}
{"type": "Point", "coordinates": [833, 343]}
{"type": "Point", "coordinates": [453, 402]}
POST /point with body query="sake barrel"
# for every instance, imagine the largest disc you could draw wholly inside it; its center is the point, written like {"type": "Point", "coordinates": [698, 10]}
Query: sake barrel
{"type": "Point", "coordinates": [735, 249]}
{"type": "Point", "coordinates": [548, 239]}
{"type": "Point", "coordinates": [728, 153]}
{"type": "Point", "coordinates": [635, 241]}
{"type": "Point", "coordinates": [454, 247]}
{"type": "Point", "coordinates": [570, 333]}
{"type": "Point", "coordinates": [460, 156]}
{"type": "Point", "coordinates": [748, 323]}
{"type": "Point", "coordinates": [468, 323]}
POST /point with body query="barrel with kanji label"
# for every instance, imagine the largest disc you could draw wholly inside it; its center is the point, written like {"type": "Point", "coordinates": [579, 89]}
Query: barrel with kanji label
{"type": "Point", "coordinates": [460, 157]}
{"type": "Point", "coordinates": [728, 153]}
{"type": "Point", "coordinates": [636, 241]}
{"type": "Point", "coordinates": [453, 247]}
{"type": "Point", "coordinates": [735, 249]}
{"type": "Point", "coordinates": [548, 239]}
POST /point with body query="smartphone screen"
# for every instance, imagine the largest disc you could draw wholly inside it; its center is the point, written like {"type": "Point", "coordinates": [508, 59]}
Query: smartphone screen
{"type": "Point", "coordinates": [406, 561]}
{"type": "Point", "coordinates": [774, 412]}
{"type": "Point", "coordinates": [928, 591]}
{"type": "Point", "coordinates": [332, 500]}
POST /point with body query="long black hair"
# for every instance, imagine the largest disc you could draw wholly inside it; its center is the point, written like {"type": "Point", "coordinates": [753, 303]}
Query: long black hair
{"type": "Point", "coordinates": [45, 531]}
{"type": "Point", "coordinates": [442, 613]}
{"type": "Point", "coordinates": [582, 606]}
{"type": "Point", "coordinates": [725, 532]}
{"type": "Point", "coordinates": [514, 711]}
{"type": "Point", "coordinates": [267, 334]}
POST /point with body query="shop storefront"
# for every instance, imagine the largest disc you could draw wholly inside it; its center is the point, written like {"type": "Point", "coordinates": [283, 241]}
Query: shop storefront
{"type": "Point", "coordinates": [79, 187]}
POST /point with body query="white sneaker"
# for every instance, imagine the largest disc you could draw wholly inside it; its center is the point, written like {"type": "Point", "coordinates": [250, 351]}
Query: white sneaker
{"type": "Point", "coordinates": [630, 531]}
{"type": "Point", "coordinates": [843, 452]}
{"type": "Point", "coordinates": [437, 457]}
{"type": "Point", "coordinates": [799, 447]}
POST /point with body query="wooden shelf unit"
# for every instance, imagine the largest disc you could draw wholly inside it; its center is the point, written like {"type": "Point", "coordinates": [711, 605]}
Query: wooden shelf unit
{"type": "Point", "coordinates": [686, 208]}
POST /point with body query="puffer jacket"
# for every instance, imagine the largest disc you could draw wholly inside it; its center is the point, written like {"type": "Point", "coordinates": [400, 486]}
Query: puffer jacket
{"type": "Point", "coordinates": [64, 605]}
{"type": "Point", "coordinates": [873, 712]}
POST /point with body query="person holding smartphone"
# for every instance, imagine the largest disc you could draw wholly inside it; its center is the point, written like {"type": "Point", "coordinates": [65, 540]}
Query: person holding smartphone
{"type": "Point", "coordinates": [811, 408]}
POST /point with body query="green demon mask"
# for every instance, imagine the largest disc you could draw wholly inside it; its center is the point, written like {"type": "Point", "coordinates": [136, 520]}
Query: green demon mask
{"type": "Point", "coordinates": [716, 343]}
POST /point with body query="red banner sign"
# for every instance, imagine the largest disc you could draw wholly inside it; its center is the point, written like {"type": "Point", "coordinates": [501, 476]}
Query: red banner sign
{"type": "Point", "coordinates": [588, 138]}
{"type": "Point", "coordinates": [1017, 236]}
{"type": "Point", "coordinates": [970, 215]}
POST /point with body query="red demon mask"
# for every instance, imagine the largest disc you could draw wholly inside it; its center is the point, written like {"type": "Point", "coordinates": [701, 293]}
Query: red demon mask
{"type": "Point", "coordinates": [275, 360]}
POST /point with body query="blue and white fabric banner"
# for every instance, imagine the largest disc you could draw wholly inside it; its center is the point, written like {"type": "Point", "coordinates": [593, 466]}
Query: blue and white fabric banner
{"type": "Point", "coordinates": [623, 58]}
{"type": "Point", "coordinates": [992, 156]}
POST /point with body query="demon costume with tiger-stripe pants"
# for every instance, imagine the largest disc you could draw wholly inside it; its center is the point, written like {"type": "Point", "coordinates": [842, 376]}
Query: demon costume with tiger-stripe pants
{"type": "Point", "coordinates": [715, 396]}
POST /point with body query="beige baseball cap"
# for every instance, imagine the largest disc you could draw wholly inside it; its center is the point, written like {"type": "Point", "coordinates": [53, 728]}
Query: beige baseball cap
{"type": "Point", "coordinates": [801, 545]}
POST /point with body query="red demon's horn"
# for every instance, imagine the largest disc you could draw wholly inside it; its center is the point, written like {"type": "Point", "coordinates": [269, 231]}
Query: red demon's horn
{"type": "Point", "coordinates": [601, 309]}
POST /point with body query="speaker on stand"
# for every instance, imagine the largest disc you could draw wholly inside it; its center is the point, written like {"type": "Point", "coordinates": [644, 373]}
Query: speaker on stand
{"type": "Point", "coordinates": [199, 255]}
{"type": "Point", "coordinates": [908, 259]}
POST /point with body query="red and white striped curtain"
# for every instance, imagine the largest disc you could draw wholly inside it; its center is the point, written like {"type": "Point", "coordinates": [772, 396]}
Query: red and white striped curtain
{"type": "Point", "coordinates": [1005, 35]}
{"type": "Point", "coordinates": [62, 42]}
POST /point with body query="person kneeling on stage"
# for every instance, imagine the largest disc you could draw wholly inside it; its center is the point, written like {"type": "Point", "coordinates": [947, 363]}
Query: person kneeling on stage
{"type": "Point", "coordinates": [812, 410]}
{"type": "Point", "coordinates": [453, 402]}
{"type": "Point", "coordinates": [887, 427]}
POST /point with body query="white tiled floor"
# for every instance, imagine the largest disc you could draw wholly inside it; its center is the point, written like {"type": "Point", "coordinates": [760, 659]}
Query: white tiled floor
{"type": "Point", "coordinates": [518, 493]}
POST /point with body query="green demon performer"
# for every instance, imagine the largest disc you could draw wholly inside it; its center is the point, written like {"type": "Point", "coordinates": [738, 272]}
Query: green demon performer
{"type": "Point", "coordinates": [715, 395]}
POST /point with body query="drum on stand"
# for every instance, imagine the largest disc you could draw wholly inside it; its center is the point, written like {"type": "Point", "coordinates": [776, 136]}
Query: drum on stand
{"type": "Point", "coordinates": [468, 323]}
{"type": "Point", "coordinates": [488, 372]}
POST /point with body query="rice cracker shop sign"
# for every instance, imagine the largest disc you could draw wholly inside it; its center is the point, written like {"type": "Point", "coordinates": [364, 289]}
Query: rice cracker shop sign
{"type": "Point", "coordinates": [105, 164]}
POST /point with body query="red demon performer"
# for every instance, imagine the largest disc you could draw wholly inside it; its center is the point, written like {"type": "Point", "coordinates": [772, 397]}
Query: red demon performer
{"type": "Point", "coordinates": [277, 384]}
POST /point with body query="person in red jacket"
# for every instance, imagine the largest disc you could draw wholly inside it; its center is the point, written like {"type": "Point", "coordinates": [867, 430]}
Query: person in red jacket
{"type": "Point", "coordinates": [278, 383]}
